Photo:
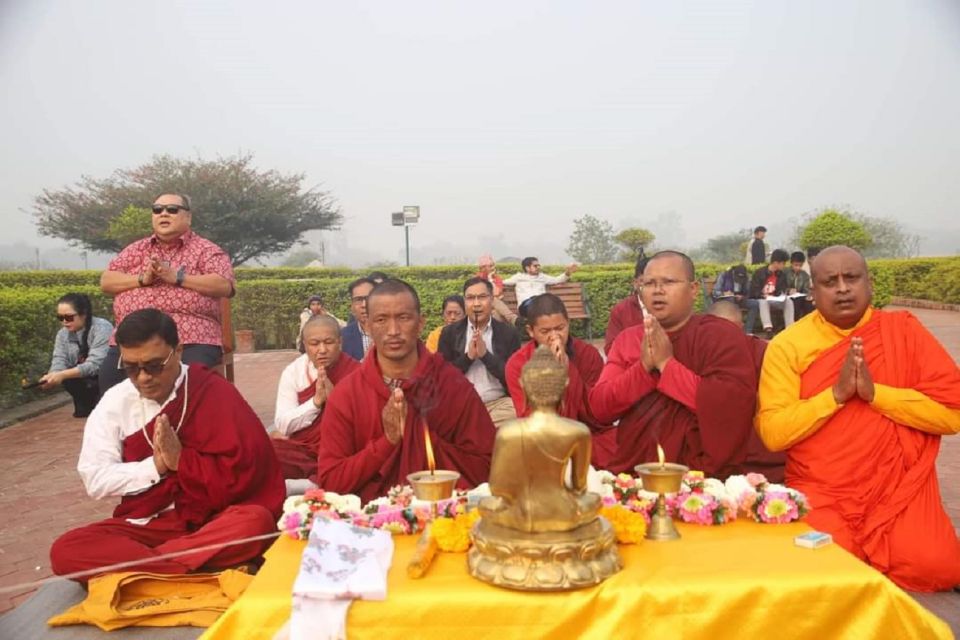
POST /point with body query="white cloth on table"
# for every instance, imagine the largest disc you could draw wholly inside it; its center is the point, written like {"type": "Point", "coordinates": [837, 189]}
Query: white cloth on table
{"type": "Point", "coordinates": [341, 563]}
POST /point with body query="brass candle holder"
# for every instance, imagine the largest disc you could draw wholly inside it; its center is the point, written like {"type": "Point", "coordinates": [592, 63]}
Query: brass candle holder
{"type": "Point", "coordinates": [433, 486]}
{"type": "Point", "coordinates": [661, 478]}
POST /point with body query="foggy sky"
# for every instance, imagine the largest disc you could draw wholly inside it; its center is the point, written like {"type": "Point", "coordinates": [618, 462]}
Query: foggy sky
{"type": "Point", "coordinates": [504, 121]}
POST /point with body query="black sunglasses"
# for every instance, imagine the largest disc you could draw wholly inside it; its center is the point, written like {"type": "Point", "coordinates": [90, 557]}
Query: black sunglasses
{"type": "Point", "coordinates": [67, 317]}
{"type": "Point", "coordinates": [154, 368]}
{"type": "Point", "coordinates": [169, 208]}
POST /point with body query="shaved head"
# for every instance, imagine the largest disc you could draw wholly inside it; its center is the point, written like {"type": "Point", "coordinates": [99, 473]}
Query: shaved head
{"type": "Point", "coordinates": [840, 250]}
{"type": "Point", "coordinates": [322, 321]}
{"type": "Point", "coordinates": [676, 255]}
{"type": "Point", "coordinates": [728, 311]}
{"type": "Point", "coordinates": [841, 286]}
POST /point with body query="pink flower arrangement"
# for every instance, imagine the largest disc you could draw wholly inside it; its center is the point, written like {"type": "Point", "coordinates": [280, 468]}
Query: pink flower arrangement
{"type": "Point", "coordinates": [776, 504]}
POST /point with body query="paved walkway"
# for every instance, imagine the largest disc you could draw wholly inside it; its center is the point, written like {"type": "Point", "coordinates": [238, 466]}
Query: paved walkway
{"type": "Point", "coordinates": [41, 495]}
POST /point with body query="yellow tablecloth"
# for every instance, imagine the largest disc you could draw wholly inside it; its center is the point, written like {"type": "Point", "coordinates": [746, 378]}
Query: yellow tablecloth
{"type": "Point", "coordinates": [741, 580]}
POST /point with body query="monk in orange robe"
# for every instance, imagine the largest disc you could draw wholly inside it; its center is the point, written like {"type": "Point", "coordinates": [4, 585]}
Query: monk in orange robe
{"type": "Point", "coordinates": [859, 399]}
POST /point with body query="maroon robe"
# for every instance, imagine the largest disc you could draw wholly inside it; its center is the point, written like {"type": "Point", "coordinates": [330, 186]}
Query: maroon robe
{"type": "Point", "coordinates": [713, 438]}
{"type": "Point", "coordinates": [625, 314]}
{"type": "Point", "coordinates": [583, 368]}
{"type": "Point", "coordinates": [758, 458]}
{"type": "Point", "coordinates": [298, 452]}
{"type": "Point", "coordinates": [226, 458]}
{"type": "Point", "coordinates": [227, 487]}
{"type": "Point", "coordinates": [355, 455]}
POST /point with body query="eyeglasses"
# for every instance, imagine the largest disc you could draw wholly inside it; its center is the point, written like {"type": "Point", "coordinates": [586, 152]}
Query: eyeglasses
{"type": "Point", "coordinates": [169, 208]}
{"type": "Point", "coordinates": [66, 317]}
{"type": "Point", "coordinates": [480, 297]}
{"type": "Point", "coordinates": [154, 368]}
{"type": "Point", "coordinates": [661, 284]}
{"type": "Point", "coordinates": [358, 299]}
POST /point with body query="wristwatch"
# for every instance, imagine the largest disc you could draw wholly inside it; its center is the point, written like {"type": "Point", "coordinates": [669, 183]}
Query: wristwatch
{"type": "Point", "coordinates": [181, 274]}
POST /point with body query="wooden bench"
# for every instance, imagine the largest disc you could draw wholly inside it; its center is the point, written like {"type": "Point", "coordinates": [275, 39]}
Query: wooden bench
{"type": "Point", "coordinates": [226, 331]}
{"type": "Point", "coordinates": [574, 298]}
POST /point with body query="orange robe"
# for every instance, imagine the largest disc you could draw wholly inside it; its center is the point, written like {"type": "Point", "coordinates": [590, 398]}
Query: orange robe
{"type": "Point", "coordinates": [869, 470]}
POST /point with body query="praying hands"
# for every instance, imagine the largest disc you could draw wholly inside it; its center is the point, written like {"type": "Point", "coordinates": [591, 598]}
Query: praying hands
{"type": "Point", "coordinates": [166, 445]}
{"type": "Point", "coordinates": [324, 388]}
{"type": "Point", "coordinates": [855, 378]}
{"type": "Point", "coordinates": [394, 416]}
{"type": "Point", "coordinates": [657, 348]}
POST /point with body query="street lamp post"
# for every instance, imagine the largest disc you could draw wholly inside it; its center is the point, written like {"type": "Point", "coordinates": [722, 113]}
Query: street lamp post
{"type": "Point", "coordinates": [406, 218]}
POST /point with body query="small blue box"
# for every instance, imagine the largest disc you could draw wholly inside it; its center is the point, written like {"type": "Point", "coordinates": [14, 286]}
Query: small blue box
{"type": "Point", "coordinates": [813, 539]}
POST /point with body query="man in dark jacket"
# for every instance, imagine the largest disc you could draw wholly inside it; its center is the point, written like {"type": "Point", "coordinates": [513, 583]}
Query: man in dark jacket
{"type": "Point", "coordinates": [356, 338]}
{"type": "Point", "coordinates": [768, 290]}
{"type": "Point", "coordinates": [757, 251]}
{"type": "Point", "coordinates": [480, 346]}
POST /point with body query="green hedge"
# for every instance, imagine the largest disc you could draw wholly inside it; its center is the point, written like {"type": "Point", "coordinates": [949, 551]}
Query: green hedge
{"type": "Point", "coordinates": [269, 301]}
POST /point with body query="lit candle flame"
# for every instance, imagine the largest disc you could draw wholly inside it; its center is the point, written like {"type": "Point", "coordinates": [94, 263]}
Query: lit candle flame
{"type": "Point", "coordinates": [659, 455]}
{"type": "Point", "coordinates": [431, 462]}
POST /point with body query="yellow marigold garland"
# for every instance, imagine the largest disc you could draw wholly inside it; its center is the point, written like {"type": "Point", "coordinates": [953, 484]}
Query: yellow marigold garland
{"type": "Point", "coordinates": [453, 534]}
{"type": "Point", "coordinates": [629, 527]}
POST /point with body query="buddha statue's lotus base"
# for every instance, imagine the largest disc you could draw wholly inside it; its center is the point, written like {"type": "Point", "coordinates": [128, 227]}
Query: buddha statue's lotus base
{"type": "Point", "coordinates": [544, 561]}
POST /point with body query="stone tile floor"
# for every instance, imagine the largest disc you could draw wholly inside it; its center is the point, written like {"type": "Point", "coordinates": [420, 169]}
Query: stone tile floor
{"type": "Point", "coordinates": [41, 495]}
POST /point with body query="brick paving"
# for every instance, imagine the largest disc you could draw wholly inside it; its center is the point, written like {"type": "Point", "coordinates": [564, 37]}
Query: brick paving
{"type": "Point", "coordinates": [41, 495]}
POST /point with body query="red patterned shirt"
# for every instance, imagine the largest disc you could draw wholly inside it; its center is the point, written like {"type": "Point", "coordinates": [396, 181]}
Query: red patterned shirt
{"type": "Point", "coordinates": [197, 316]}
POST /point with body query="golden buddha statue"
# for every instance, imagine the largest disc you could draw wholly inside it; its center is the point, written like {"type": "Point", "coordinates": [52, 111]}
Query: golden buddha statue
{"type": "Point", "coordinates": [539, 531]}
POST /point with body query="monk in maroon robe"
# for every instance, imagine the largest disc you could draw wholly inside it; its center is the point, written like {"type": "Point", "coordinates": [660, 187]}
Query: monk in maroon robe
{"type": "Point", "coordinates": [304, 387]}
{"type": "Point", "coordinates": [681, 380]}
{"type": "Point", "coordinates": [188, 456]}
{"type": "Point", "coordinates": [758, 458]}
{"type": "Point", "coordinates": [373, 424]}
{"type": "Point", "coordinates": [548, 325]}
{"type": "Point", "coordinates": [628, 312]}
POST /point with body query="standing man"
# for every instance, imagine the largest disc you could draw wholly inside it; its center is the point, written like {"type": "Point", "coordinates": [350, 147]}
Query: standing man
{"type": "Point", "coordinates": [680, 380]}
{"type": "Point", "coordinates": [375, 421]}
{"type": "Point", "coordinates": [488, 271]}
{"type": "Point", "coordinates": [859, 399]}
{"type": "Point", "coordinates": [549, 326]}
{"type": "Point", "coordinates": [480, 346]}
{"type": "Point", "coordinates": [757, 249]}
{"type": "Point", "coordinates": [628, 312]}
{"type": "Point", "coordinates": [186, 455]}
{"type": "Point", "coordinates": [314, 308]}
{"type": "Point", "coordinates": [531, 282]}
{"type": "Point", "coordinates": [356, 337]}
{"type": "Point", "coordinates": [768, 290]}
{"type": "Point", "coordinates": [177, 272]}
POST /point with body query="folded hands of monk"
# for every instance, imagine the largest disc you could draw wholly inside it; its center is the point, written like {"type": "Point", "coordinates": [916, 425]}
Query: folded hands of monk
{"type": "Point", "coordinates": [854, 378]}
{"type": "Point", "coordinates": [166, 445]}
{"type": "Point", "coordinates": [394, 416]}
{"type": "Point", "coordinates": [656, 348]}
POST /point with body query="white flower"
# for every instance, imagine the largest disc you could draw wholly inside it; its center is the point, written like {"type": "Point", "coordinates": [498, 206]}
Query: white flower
{"type": "Point", "coordinates": [342, 503]}
{"type": "Point", "coordinates": [480, 491]}
{"type": "Point", "coordinates": [291, 503]}
{"type": "Point", "coordinates": [715, 488]}
{"type": "Point", "coordinates": [600, 482]}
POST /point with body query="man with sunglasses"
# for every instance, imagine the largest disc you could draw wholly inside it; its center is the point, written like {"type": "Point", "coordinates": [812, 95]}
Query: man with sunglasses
{"type": "Point", "coordinates": [680, 380]}
{"type": "Point", "coordinates": [184, 452]}
{"type": "Point", "coordinates": [176, 271]}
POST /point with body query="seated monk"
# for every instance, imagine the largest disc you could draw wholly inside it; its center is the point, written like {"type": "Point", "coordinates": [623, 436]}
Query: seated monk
{"type": "Point", "coordinates": [681, 380]}
{"type": "Point", "coordinates": [304, 387]}
{"type": "Point", "coordinates": [531, 456]}
{"type": "Point", "coordinates": [373, 424]}
{"type": "Point", "coordinates": [187, 455]}
{"type": "Point", "coordinates": [549, 326]}
{"type": "Point", "coordinates": [858, 398]}
{"type": "Point", "coordinates": [758, 458]}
